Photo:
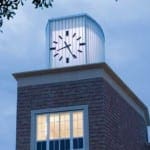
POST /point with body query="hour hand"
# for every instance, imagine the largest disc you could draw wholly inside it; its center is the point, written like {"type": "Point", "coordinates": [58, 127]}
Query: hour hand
{"type": "Point", "coordinates": [64, 47]}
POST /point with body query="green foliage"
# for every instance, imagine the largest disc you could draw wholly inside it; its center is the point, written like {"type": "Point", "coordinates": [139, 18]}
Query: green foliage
{"type": "Point", "coordinates": [8, 7]}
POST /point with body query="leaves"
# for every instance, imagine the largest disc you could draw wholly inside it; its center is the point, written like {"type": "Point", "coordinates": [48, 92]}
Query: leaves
{"type": "Point", "coordinates": [8, 7]}
{"type": "Point", "coordinates": [1, 21]}
{"type": "Point", "coordinates": [42, 3]}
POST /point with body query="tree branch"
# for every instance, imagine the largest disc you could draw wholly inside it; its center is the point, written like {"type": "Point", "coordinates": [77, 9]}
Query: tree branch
{"type": "Point", "coordinates": [8, 7]}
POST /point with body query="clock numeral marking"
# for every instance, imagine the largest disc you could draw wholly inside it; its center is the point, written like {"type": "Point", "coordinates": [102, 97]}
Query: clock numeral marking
{"type": "Point", "coordinates": [67, 33]}
{"type": "Point", "coordinates": [78, 38]}
{"type": "Point", "coordinates": [74, 35]}
{"type": "Point", "coordinates": [60, 37]}
{"type": "Point", "coordinates": [67, 60]}
{"type": "Point", "coordinates": [74, 56]}
{"type": "Point", "coordinates": [55, 54]}
{"type": "Point", "coordinates": [60, 58]}
{"type": "Point", "coordinates": [80, 51]}
{"type": "Point", "coordinates": [53, 48]}
{"type": "Point", "coordinates": [55, 42]}
{"type": "Point", "coordinates": [82, 44]}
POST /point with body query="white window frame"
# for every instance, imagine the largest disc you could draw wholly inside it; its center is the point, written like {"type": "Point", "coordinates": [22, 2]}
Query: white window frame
{"type": "Point", "coordinates": [83, 108]}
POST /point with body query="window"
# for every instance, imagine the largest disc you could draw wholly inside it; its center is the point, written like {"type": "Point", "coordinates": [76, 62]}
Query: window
{"type": "Point", "coordinates": [60, 130]}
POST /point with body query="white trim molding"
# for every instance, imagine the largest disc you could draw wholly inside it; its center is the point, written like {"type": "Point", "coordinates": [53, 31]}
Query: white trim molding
{"type": "Point", "coordinates": [76, 73]}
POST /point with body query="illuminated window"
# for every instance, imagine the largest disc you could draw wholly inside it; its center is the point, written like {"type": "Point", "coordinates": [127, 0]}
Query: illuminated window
{"type": "Point", "coordinates": [41, 127]}
{"type": "Point", "coordinates": [41, 130]}
{"type": "Point", "coordinates": [78, 130]}
{"type": "Point", "coordinates": [62, 130]}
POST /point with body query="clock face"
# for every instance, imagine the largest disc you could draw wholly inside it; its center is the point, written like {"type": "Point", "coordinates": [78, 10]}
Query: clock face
{"type": "Point", "coordinates": [68, 47]}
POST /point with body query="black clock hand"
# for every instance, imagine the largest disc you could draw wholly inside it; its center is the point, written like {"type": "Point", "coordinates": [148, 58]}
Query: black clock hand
{"type": "Point", "coordinates": [64, 47]}
{"type": "Point", "coordinates": [74, 56]}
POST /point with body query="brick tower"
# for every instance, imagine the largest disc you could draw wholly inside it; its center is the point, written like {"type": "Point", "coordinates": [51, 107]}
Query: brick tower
{"type": "Point", "coordinates": [78, 103]}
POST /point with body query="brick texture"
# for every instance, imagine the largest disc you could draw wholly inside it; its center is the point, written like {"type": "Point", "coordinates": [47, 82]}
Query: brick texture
{"type": "Point", "coordinates": [113, 124]}
{"type": "Point", "coordinates": [125, 129]}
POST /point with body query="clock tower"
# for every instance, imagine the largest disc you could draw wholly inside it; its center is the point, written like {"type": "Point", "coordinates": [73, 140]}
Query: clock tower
{"type": "Point", "coordinates": [74, 40]}
{"type": "Point", "coordinates": [78, 102]}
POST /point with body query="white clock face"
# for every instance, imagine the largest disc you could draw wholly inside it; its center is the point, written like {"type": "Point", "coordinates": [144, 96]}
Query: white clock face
{"type": "Point", "coordinates": [68, 48]}
{"type": "Point", "coordinates": [74, 40]}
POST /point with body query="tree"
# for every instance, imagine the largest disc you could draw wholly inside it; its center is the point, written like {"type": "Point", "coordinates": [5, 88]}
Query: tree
{"type": "Point", "coordinates": [8, 7]}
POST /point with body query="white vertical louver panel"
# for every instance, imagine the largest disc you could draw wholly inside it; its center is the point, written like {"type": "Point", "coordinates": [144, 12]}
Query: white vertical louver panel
{"type": "Point", "coordinates": [95, 42]}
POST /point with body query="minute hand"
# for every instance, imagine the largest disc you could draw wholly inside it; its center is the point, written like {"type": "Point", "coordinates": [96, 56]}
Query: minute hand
{"type": "Point", "coordinates": [74, 56]}
{"type": "Point", "coordinates": [64, 47]}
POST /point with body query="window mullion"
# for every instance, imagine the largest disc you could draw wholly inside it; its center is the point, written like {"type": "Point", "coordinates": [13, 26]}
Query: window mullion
{"type": "Point", "coordinates": [71, 131]}
{"type": "Point", "coordinates": [36, 133]}
{"type": "Point", "coordinates": [59, 131]}
{"type": "Point", "coordinates": [83, 132]}
{"type": "Point", "coordinates": [48, 132]}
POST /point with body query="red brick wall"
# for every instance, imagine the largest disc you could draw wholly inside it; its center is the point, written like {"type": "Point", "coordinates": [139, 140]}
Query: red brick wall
{"type": "Point", "coordinates": [125, 130]}
{"type": "Point", "coordinates": [113, 124]}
